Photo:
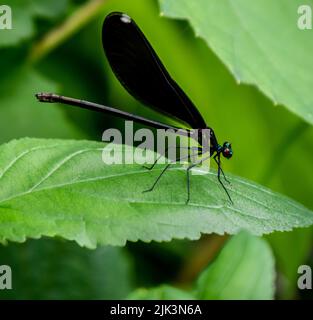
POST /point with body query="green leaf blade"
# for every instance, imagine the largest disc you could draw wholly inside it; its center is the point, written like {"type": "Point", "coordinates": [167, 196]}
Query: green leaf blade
{"type": "Point", "coordinates": [163, 292]}
{"type": "Point", "coordinates": [236, 32]}
{"type": "Point", "coordinates": [63, 188]}
{"type": "Point", "coordinates": [243, 270]}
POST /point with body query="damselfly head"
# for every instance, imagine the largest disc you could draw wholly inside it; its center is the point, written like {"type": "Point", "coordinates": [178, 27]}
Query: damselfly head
{"type": "Point", "coordinates": [227, 150]}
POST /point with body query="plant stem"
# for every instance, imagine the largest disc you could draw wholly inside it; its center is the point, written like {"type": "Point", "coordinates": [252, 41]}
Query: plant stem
{"type": "Point", "coordinates": [204, 252]}
{"type": "Point", "coordinates": [57, 36]}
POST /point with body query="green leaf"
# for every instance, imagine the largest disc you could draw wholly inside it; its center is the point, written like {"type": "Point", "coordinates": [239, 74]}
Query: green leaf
{"type": "Point", "coordinates": [51, 269]}
{"type": "Point", "coordinates": [63, 188]}
{"type": "Point", "coordinates": [163, 292]}
{"type": "Point", "coordinates": [255, 54]}
{"type": "Point", "coordinates": [23, 14]}
{"type": "Point", "coordinates": [243, 270]}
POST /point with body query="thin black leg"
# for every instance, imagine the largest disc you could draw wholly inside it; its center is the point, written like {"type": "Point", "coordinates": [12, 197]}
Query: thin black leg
{"type": "Point", "coordinates": [154, 163]}
{"type": "Point", "coordinates": [159, 157]}
{"type": "Point", "coordinates": [224, 175]}
{"type": "Point", "coordinates": [217, 159]}
{"type": "Point", "coordinates": [188, 181]}
{"type": "Point", "coordinates": [163, 171]}
{"type": "Point", "coordinates": [158, 178]}
{"type": "Point", "coordinates": [220, 167]}
{"type": "Point", "coordinates": [188, 175]}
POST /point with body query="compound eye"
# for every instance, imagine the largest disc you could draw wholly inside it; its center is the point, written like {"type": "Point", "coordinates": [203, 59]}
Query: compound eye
{"type": "Point", "coordinates": [227, 153]}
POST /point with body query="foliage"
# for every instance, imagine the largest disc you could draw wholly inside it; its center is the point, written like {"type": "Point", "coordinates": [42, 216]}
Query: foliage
{"type": "Point", "coordinates": [62, 188]}
{"type": "Point", "coordinates": [235, 31]}
{"type": "Point", "coordinates": [248, 273]}
{"type": "Point", "coordinates": [272, 147]}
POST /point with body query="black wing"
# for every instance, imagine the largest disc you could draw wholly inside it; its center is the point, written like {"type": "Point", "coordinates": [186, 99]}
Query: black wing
{"type": "Point", "coordinates": [141, 72]}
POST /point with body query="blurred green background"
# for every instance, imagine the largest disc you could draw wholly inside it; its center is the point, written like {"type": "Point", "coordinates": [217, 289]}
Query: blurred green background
{"type": "Point", "coordinates": [271, 146]}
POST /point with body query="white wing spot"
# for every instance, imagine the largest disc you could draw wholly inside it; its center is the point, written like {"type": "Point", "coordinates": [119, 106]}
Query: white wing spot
{"type": "Point", "coordinates": [125, 18]}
